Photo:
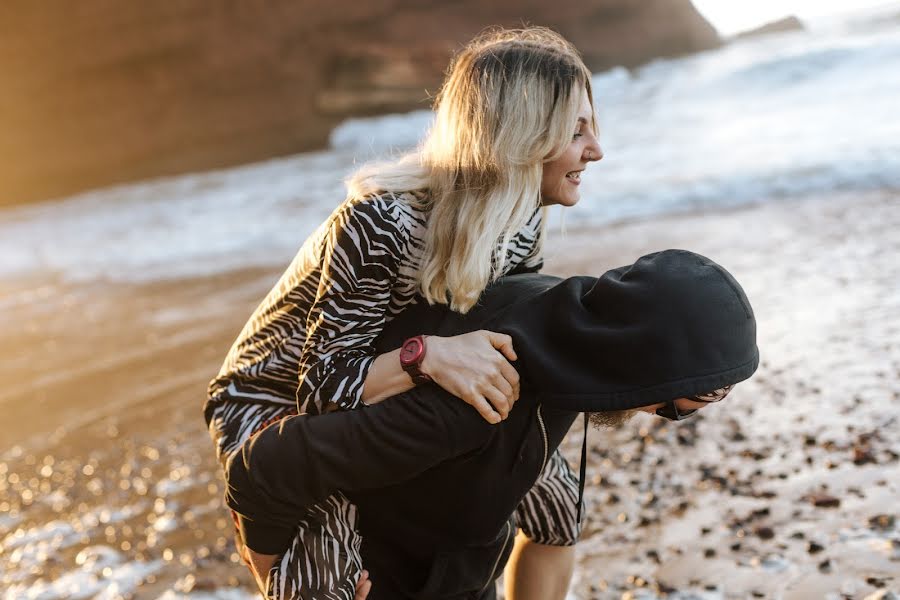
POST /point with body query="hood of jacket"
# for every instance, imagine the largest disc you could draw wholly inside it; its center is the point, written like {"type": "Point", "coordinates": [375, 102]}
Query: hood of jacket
{"type": "Point", "coordinates": [672, 324]}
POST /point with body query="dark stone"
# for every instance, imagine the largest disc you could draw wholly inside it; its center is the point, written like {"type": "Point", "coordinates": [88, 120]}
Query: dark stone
{"type": "Point", "coordinates": [686, 439]}
{"type": "Point", "coordinates": [862, 455]}
{"type": "Point", "coordinates": [856, 492]}
{"type": "Point", "coordinates": [882, 522]}
{"type": "Point", "coordinates": [664, 588]}
{"type": "Point", "coordinates": [814, 548]}
{"type": "Point", "coordinates": [823, 500]}
{"type": "Point", "coordinates": [645, 521]}
{"type": "Point", "coordinates": [737, 436]}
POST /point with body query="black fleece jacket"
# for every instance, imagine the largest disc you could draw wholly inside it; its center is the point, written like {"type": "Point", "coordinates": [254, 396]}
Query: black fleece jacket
{"type": "Point", "coordinates": [435, 484]}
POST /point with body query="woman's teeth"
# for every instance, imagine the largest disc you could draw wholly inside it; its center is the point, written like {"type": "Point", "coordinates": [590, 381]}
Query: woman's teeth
{"type": "Point", "coordinates": [574, 175]}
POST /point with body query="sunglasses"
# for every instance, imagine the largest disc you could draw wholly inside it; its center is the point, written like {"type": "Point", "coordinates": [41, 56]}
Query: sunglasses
{"type": "Point", "coordinates": [670, 409]}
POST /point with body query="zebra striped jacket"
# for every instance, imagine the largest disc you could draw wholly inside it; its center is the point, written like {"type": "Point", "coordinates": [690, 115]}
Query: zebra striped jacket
{"type": "Point", "coordinates": [309, 343]}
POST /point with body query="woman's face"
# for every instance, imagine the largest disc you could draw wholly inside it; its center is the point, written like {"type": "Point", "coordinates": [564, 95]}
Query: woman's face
{"type": "Point", "coordinates": [559, 184]}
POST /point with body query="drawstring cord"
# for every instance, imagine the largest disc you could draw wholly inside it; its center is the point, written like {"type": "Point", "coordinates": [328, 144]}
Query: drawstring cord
{"type": "Point", "coordinates": [583, 469]}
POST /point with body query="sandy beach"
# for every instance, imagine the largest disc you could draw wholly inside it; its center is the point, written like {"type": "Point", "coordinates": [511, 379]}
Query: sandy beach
{"type": "Point", "coordinates": [109, 486]}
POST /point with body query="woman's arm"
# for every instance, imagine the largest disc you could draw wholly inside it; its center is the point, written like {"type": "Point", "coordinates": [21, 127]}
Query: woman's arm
{"type": "Point", "coordinates": [360, 265]}
{"type": "Point", "coordinates": [473, 366]}
{"type": "Point", "coordinates": [386, 378]}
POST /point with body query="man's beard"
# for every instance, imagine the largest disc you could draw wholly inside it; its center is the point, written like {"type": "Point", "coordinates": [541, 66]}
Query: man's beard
{"type": "Point", "coordinates": [610, 419]}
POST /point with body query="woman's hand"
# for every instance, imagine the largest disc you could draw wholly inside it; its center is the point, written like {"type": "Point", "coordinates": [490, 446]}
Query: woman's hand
{"type": "Point", "coordinates": [475, 367]}
{"type": "Point", "coordinates": [363, 586]}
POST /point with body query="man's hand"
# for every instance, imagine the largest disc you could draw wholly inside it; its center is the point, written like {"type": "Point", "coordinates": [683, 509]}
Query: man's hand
{"type": "Point", "coordinates": [261, 564]}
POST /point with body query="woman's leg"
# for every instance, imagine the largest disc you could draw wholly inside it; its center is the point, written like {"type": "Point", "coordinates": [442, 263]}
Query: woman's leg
{"type": "Point", "coordinates": [538, 571]}
{"type": "Point", "coordinates": [323, 560]}
{"type": "Point", "coordinates": [544, 556]}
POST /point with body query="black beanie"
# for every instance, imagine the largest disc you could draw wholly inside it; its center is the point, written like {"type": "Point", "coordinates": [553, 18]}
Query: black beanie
{"type": "Point", "coordinates": [671, 325]}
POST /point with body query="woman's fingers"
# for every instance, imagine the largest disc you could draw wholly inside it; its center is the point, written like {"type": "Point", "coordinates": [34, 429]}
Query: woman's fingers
{"type": "Point", "coordinates": [363, 586]}
{"type": "Point", "coordinates": [500, 401]}
{"type": "Point", "coordinates": [363, 591]}
{"type": "Point", "coordinates": [475, 367]}
{"type": "Point", "coordinates": [511, 376]}
{"type": "Point", "coordinates": [503, 343]}
{"type": "Point", "coordinates": [498, 380]}
{"type": "Point", "coordinates": [483, 407]}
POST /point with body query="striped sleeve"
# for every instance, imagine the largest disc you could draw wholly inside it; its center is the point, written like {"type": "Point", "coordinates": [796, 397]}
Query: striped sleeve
{"type": "Point", "coordinates": [360, 258]}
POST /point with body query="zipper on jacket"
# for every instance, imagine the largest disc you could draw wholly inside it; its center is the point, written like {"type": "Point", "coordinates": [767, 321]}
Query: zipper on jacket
{"type": "Point", "coordinates": [497, 561]}
{"type": "Point", "coordinates": [543, 435]}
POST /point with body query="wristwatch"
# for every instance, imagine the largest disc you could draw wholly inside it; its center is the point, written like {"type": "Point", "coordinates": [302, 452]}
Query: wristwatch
{"type": "Point", "coordinates": [412, 353]}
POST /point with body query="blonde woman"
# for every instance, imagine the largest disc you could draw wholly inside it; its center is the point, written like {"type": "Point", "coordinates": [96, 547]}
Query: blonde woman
{"type": "Point", "coordinates": [514, 129]}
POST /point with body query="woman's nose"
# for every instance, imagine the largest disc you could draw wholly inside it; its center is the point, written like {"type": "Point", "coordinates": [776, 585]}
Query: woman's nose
{"type": "Point", "coordinates": [593, 153]}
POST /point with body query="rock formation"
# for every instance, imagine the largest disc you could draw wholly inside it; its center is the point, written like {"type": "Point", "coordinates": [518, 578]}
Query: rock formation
{"type": "Point", "coordinates": [101, 91]}
{"type": "Point", "coordinates": [791, 23]}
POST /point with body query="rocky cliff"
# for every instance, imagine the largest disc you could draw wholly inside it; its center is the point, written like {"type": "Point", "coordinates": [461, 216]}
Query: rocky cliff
{"type": "Point", "coordinates": [791, 23]}
{"type": "Point", "coordinates": [103, 91]}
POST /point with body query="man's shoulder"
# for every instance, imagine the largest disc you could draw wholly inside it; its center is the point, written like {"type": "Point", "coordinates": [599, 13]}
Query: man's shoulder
{"type": "Point", "coordinates": [512, 289]}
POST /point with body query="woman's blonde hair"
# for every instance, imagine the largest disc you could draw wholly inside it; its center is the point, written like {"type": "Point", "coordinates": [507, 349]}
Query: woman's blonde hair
{"type": "Point", "coordinates": [509, 102]}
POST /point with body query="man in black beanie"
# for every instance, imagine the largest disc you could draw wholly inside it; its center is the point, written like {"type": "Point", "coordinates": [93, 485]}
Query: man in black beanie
{"type": "Point", "coordinates": [436, 486]}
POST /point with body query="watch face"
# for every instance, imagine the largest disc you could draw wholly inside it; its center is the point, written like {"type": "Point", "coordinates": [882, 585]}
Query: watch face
{"type": "Point", "coordinates": [411, 351]}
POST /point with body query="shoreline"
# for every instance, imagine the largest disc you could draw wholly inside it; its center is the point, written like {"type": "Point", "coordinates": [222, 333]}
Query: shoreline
{"type": "Point", "coordinates": [113, 377]}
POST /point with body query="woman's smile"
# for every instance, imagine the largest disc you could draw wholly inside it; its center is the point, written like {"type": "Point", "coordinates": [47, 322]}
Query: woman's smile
{"type": "Point", "coordinates": [562, 176]}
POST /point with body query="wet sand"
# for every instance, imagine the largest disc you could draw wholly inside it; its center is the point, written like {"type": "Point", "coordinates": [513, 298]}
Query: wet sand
{"type": "Point", "coordinates": [787, 490]}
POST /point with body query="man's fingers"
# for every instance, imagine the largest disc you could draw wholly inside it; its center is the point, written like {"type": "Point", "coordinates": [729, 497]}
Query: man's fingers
{"type": "Point", "coordinates": [503, 343]}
